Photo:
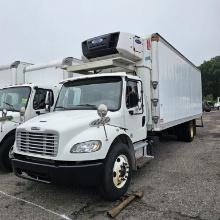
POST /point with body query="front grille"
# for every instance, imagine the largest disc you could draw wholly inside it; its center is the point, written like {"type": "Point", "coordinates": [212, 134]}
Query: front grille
{"type": "Point", "coordinates": [37, 143]}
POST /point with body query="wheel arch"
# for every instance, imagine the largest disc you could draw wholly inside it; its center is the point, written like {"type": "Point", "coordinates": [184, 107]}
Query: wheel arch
{"type": "Point", "coordinates": [12, 132]}
{"type": "Point", "coordinates": [125, 139]}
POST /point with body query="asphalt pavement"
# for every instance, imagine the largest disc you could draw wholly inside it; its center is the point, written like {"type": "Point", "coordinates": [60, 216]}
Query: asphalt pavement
{"type": "Point", "coordinates": [182, 182]}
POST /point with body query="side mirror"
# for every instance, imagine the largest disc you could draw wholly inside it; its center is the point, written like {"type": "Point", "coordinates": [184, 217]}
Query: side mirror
{"type": "Point", "coordinates": [102, 111]}
{"type": "Point", "coordinates": [4, 116]}
{"type": "Point", "coordinates": [22, 114]}
{"type": "Point", "coordinates": [22, 111]}
{"type": "Point", "coordinates": [47, 102]}
{"type": "Point", "coordinates": [4, 113]}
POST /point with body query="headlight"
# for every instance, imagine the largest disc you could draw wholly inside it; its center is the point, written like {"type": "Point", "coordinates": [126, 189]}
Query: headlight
{"type": "Point", "coordinates": [86, 147]}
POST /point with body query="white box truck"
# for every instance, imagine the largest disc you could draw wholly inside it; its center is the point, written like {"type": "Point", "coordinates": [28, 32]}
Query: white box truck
{"type": "Point", "coordinates": [50, 73]}
{"type": "Point", "coordinates": [12, 73]}
{"type": "Point", "coordinates": [26, 97]}
{"type": "Point", "coordinates": [101, 127]}
{"type": "Point", "coordinates": [217, 104]}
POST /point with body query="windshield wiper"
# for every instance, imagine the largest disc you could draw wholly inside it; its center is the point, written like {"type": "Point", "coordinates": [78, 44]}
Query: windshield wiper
{"type": "Point", "coordinates": [10, 105]}
{"type": "Point", "coordinates": [87, 105]}
{"type": "Point", "coordinates": [76, 107]}
{"type": "Point", "coordinates": [60, 107]}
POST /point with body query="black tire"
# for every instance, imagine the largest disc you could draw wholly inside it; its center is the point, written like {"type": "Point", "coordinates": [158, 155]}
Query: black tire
{"type": "Point", "coordinates": [194, 127]}
{"type": "Point", "coordinates": [108, 189]}
{"type": "Point", "coordinates": [5, 147]}
{"type": "Point", "coordinates": [179, 132]}
{"type": "Point", "coordinates": [186, 131]}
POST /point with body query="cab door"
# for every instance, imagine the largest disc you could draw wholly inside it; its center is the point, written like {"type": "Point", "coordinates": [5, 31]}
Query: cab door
{"type": "Point", "coordinates": [135, 116]}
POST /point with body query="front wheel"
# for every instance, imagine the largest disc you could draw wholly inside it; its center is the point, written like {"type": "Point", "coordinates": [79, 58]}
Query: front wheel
{"type": "Point", "coordinates": [117, 172]}
{"type": "Point", "coordinates": [5, 147]}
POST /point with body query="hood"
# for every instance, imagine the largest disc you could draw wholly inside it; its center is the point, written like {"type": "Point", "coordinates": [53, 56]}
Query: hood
{"type": "Point", "coordinates": [15, 115]}
{"type": "Point", "coordinates": [70, 127]}
{"type": "Point", "coordinates": [7, 126]}
{"type": "Point", "coordinates": [61, 120]}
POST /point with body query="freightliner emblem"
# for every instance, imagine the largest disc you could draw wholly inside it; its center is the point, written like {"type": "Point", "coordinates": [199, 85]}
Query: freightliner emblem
{"type": "Point", "coordinates": [35, 128]}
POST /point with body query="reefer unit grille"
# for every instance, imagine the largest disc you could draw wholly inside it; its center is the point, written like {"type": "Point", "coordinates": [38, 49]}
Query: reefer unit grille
{"type": "Point", "coordinates": [37, 143]}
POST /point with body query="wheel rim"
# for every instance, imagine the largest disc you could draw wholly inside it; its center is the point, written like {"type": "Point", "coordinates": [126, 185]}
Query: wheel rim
{"type": "Point", "coordinates": [191, 132]}
{"type": "Point", "coordinates": [120, 171]}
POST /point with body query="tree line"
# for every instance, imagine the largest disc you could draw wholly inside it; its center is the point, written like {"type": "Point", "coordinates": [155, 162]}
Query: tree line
{"type": "Point", "coordinates": [210, 71]}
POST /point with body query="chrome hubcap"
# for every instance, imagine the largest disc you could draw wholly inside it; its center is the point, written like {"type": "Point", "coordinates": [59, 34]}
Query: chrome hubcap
{"type": "Point", "coordinates": [120, 171]}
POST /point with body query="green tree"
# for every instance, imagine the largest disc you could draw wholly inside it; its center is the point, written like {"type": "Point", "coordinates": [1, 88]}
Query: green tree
{"type": "Point", "coordinates": [211, 77]}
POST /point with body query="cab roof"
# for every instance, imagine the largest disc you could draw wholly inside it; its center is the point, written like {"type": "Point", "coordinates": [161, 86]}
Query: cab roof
{"type": "Point", "coordinates": [32, 86]}
{"type": "Point", "coordinates": [121, 74]}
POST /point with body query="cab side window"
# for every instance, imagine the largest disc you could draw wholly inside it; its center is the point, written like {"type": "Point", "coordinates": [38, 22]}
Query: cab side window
{"type": "Point", "coordinates": [132, 96]}
{"type": "Point", "coordinates": [40, 98]}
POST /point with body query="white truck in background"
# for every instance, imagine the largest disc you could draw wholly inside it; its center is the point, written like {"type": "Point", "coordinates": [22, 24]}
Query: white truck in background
{"type": "Point", "coordinates": [101, 127]}
{"type": "Point", "coordinates": [217, 104]}
{"type": "Point", "coordinates": [12, 73]}
{"type": "Point", "coordinates": [25, 91]}
{"type": "Point", "coordinates": [50, 73]}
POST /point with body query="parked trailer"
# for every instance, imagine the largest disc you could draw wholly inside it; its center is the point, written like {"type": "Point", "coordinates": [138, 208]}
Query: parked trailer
{"type": "Point", "coordinates": [138, 86]}
{"type": "Point", "coordinates": [217, 104]}
{"type": "Point", "coordinates": [175, 89]}
{"type": "Point", "coordinates": [51, 72]}
{"type": "Point", "coordinates": [34, 86]}
{"type": "Point", "coordinates": [12, 74]}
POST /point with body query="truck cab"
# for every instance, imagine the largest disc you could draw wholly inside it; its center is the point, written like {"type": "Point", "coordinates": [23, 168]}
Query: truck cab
{"type": "Point", "coordinates": [18, 104]}
{"type": "Point", "coordinates": [29, 90]}
{"type": "Point", "coordinates": [83, 139]}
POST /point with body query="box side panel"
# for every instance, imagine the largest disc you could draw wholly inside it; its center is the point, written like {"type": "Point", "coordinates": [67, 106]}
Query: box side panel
{"type": "Point", "coordinates": [145, 75]}
{"type": "Point", "coordinates": [180, 94]}
{"type": "Point", "coordinates": [6, 78]}
{"type": "Point", "coordinates": [47, 76]}
{"type": "Point", "coordinates": [19, 73]}
{"type": "Point", "coordinates": [144, 68]}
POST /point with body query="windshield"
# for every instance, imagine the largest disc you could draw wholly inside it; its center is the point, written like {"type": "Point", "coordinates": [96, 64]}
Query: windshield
{"type": "Point", "coordinates": [90, 93]}
{"type": "Point", "coordinates": [14, 98]}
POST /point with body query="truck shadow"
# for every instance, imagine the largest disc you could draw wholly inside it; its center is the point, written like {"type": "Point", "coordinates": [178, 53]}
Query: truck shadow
{"type": "Point", "coordinates": [4, 173]}
{"type": "Point", "coordinates": [165, 147]}
{"type": "Point", "coordinates": [82, 202]}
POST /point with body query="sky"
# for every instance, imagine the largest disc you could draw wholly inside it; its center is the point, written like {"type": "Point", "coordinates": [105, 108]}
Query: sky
{"type": "Point", "coordinates": [39, 31]}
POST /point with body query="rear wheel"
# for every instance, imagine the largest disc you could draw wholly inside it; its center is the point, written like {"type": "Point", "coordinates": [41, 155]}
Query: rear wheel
{"type": "Point", "coordinates": [117, 172]}
{"type": "Point", "coordinates": [194, 127]}
{"type": "Point", "coordinates": [186, 131]}
{"type": "Point", "coordinates": [5, 147]}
